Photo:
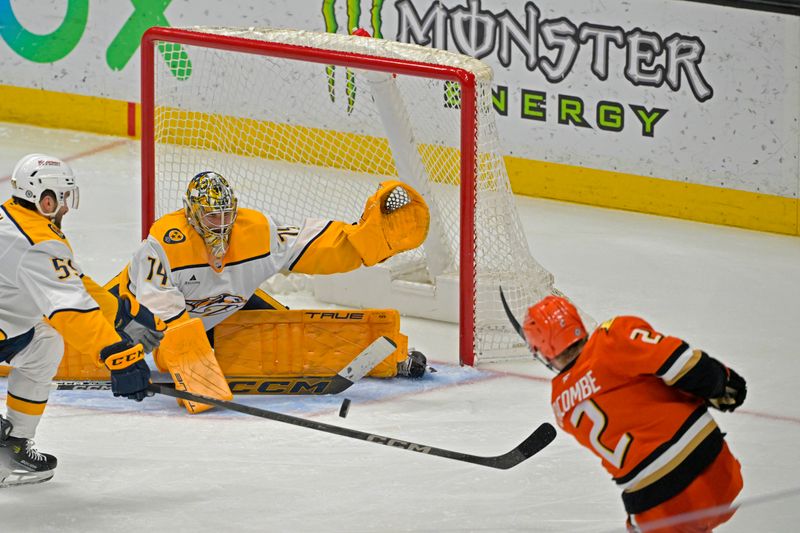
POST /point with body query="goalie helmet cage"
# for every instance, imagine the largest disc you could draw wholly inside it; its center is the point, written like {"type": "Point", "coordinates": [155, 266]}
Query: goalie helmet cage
{"type": "Point", "coordinates": [305, 125]}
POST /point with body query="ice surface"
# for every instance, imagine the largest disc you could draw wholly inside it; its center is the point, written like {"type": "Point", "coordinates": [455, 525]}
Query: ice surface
{"type": "Point", "coordinates": [129, 467]}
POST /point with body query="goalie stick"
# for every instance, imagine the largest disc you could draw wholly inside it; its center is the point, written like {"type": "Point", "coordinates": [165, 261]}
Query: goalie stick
{"type": "Point", "coordinates": [536, 441]}
{"type": "Point", "coordinates": [360, 366]}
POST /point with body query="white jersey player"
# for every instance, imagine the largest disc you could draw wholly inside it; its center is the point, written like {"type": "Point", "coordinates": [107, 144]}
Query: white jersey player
{"type": "Point", "coordinates": [39, 277]}
{"type": "Point", "coordinates": [208, 260]}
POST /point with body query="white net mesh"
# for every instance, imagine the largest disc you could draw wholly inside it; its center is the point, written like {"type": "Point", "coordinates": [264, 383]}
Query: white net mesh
{"type": "Point", "coordinates": [301, 139]}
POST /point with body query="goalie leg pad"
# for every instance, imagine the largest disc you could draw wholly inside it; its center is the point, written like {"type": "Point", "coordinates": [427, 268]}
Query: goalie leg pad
{"type": "Point", "coordinates": [189, 358]}
{"type": "Point", "coordinates": [298, 343]}
{"type": "Point", "coordinates": [78, 365]}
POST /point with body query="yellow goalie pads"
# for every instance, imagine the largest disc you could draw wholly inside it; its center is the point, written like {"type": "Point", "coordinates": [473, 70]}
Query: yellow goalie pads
{"type": "Point", "coordinates": [77, 365]}
{"type": "Point", "coordinates": [186, 354]}
{"type": "Point", "coordinates": [279, 343]}
{"type": "Point", "coordinates": [304, 342]}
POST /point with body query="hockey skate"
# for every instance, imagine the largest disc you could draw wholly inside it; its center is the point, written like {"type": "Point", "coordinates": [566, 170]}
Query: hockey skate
{"type": "Point", "coordinates": [20, 462]}
{"type": "Point", "coordinates": [414, 366]}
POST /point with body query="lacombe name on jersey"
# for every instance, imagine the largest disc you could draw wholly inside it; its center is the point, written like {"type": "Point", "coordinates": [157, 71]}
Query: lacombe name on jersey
{"type": "Point", "coordinates": [581, 390]}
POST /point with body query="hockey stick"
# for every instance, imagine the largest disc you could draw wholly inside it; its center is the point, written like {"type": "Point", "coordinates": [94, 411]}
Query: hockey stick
{"type": "Point", "coordinates": [536, 441]}
{"type": "Point", "coordinates": [520, 331]}
{"type": "Point", "coordinates": [360, 366]}
{"type": "Point", "coordinates": [511, 317]}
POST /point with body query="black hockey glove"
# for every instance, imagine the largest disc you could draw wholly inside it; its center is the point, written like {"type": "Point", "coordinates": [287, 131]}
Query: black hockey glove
{"type": "Point", "coordinates": [139, 324]}
{"type": "Point", "coordinates": [130, 375]}
{"type": "Point", "coordinates": [733, 394]}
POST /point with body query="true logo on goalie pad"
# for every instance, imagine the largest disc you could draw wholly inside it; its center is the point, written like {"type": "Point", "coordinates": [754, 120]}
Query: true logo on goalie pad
{"type": "Point", "coordinates": [335, 315]}
{"type": "Point", "coordinates": [174, 236]}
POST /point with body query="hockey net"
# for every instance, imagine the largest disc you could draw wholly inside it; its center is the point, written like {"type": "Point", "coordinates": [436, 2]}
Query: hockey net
{"type": "Point", "coordinates": [307, 124]}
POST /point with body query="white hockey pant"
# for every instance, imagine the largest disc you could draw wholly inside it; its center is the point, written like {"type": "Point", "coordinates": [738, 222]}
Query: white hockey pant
{"type": "Point", "coordinates": [32, 370]}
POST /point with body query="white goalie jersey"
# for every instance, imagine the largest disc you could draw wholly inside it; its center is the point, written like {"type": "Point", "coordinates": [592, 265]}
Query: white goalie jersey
{"type": "Point", "coordinates": [171, 275]}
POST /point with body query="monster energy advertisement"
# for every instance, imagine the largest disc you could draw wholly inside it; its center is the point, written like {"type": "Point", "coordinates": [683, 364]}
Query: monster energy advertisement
{"type": "Point", "coordinates": [676, 90]}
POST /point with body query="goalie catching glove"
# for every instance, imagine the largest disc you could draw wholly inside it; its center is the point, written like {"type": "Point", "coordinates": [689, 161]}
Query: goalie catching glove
{"type": "Point", "coordinates": [130, 374]}
{"type": "Point", "coordinates": [395, 219]}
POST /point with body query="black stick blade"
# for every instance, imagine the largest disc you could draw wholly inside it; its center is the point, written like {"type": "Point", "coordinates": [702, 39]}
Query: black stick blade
{"type": "Point", "coordinates": [537, 440]}
{"type": "Point", "coordinates": [533, 444]}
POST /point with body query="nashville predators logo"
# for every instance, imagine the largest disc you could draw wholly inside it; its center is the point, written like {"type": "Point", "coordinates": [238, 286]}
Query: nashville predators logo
{"type": "Point", "coordinates": [215, 305]}
{"type": "Point", "coordinates": [174, 236]}
{"type": "Point", "coordinates": [57, 231]}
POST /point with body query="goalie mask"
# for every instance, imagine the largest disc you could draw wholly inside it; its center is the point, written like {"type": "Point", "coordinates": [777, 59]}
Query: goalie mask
{"type": "Point", "coordinates": [36, 173]}
{"type": "Point", "coordinates": [211, 209]}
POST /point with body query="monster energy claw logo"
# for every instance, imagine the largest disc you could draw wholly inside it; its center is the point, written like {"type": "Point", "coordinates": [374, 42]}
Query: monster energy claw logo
{"type": "Point", "coordinates": [353, 22]}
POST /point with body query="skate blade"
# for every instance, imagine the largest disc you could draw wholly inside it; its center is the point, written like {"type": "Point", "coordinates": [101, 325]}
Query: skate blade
{"type": "Point", "coordinates": [23, 477]}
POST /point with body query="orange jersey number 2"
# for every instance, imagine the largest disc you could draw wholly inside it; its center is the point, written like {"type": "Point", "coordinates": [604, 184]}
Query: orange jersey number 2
{"type": "Point", "coordinates": [599, 421]}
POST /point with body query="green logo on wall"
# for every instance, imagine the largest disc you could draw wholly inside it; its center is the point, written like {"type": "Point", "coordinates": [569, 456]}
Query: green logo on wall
{"type": "Point", "coordinates": [56, 45]}
{"type": "Point", "coordinates": [353, 22]}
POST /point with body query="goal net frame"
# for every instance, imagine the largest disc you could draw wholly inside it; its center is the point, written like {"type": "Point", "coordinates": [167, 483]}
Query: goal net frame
{"type": "Point", "coordinates": [469, 117]}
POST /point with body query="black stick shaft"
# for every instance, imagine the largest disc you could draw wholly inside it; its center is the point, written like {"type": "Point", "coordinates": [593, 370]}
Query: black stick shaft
{"type": "Point", "coordinates": [333, 385]}
{"type": "Point", "coordinates": [540, 438]}
{"type": "Point", "coordinates": [82, 385]}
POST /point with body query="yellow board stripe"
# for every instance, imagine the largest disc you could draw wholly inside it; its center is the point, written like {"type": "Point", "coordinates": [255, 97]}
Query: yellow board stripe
{"type": "Point", "coordinates": [50, 109]}
{"type": "Point", "coordinates": [276, 141]}
{"type": "Point", "coordinates": [24, 406]}
{"type": "Point", "coordinates": [570, 183]}
{"type": "Point", "coordinates": [656, 196]}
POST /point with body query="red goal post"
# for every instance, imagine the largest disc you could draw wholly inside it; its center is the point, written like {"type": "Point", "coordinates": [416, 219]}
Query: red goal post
{"type": "Point", "coordinates": [178, 141]}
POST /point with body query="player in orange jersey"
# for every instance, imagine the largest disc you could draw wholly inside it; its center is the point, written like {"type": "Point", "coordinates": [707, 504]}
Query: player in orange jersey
{"type": "Point", "coordinates": [638, 399]}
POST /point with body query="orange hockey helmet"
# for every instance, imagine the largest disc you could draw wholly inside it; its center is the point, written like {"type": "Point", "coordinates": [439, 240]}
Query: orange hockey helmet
{"type": "Point", "coordinates": [552, 326]}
